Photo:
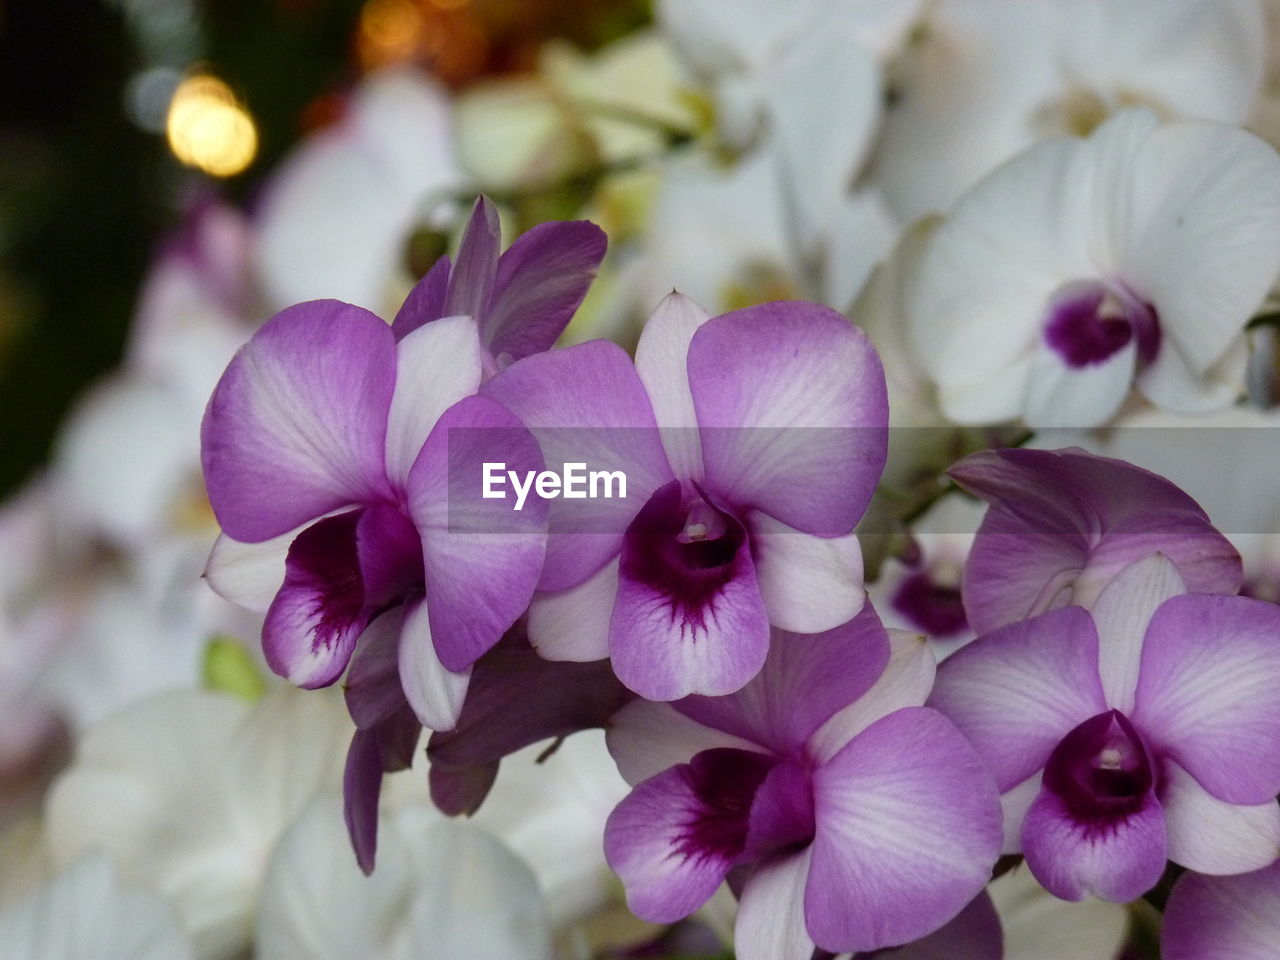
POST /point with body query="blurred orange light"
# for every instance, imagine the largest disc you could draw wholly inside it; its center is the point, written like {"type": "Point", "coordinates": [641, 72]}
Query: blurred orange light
{"type": "Point", "coordinates": [390, 31]}
{"type": "Point", "coordinates": [207, 128]}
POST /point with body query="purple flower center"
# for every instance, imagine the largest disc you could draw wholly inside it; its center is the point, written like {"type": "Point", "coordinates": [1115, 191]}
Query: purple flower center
{"type": "Point", "coordinates": [1089, 322]}
{"type": "Point", "coordinates": [684, 548]}
{"type": "Point", "coordinates": [324, 561]}
{"type": "Point", "coordinates": [725, 782]}
{"type": "Point", "coordinates": [1101, 770]}
{"type": "Point", "coordinates": [930, 604]}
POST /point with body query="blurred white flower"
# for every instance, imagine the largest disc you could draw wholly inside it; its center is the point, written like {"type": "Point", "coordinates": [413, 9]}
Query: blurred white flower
{"type": "Point", "coordinates": [1038, 925]}
{"type": "Point", "coordinates": [188, 793]}
{"type": "Point", "coordinates": [1083, 268]}
{"type": "Point", "coordinates": [989, 79]}
{"type": "Point", "coordinates": [85, 913]}
{"type": "Point", "coordinates": [442, 891]}
{"type": "Point", "coordinates": [336, 215]}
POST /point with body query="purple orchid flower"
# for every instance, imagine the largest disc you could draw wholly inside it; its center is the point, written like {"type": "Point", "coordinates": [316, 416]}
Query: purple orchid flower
{"type": "Point", "coordinates": [522, 299]}
{"type": "Point", "coordinates": [1062, 523]}
{"type": "Point", "coordinates": [751, 444]}
{"type": "Point", "coordinates": [1223, 918]}
{"type": "Point", "coordinates": [843, 812]}
{"type": "Point", "coordinates": [1142, 731]}
{"type": "Point", "coordinates": [327, 431]}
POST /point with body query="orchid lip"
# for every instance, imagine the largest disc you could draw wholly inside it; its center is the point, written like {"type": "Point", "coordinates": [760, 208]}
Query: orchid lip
{"type": "Point", "coordinates": [1101, 770]}
{"type": "Point", "coordinates": [1088, 322]}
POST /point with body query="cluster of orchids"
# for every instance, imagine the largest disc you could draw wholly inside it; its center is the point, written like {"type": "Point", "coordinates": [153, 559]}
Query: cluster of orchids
{"type": "Point", "coordinates": [1112, 722]}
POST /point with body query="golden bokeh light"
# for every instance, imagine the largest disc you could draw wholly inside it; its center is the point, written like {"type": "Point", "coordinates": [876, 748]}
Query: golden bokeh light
{"type": "Point", "coordinates": [209, 129]}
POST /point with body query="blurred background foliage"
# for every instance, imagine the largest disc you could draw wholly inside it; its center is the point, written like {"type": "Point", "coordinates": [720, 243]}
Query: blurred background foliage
{"type": "Point", "coordinates": [89, 181]}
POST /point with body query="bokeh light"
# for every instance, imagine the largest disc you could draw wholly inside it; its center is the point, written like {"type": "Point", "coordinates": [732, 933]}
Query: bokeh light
{"type": "Point", "coordinates": [209, 129]}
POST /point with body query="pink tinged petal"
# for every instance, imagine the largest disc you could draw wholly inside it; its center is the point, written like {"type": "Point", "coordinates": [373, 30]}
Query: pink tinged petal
{"type": "Point", "coordinates": [1016, 692]}
{"type": "Point", "coordinates": [296, 426]}
{"type": "Point", "coordinates": [1209, 836]}
{"type": "Point", "coordinates": [689, 618]}
{"type": "Point", "coordinates": [908, 829]}
{"type": "Point", "coordinates": [1121, 614]}
{"type": "Point", "coordinates": [248, 574]}
{"type": "Point", "coordinates": [372, 689]}
{"type": "Point", "coordinates": [436, 366]}
{"type": "Point", "coordinates": [1074, 860]}
{"type": "Point", "coordinates": [585, 404]}
{"type": "Point", "coordinates": [425, 301]}
{"type": "Point", "coordinates": [975, 934]}
{"type": "Point", "coordinates": [434, 692]}
{"type": "Point", "coordinates": [1223, 918]}
{"type": "Point", "coordinates": [1096, 827]}
{"type": "Point", "coordinates": [793, 410]}
{"type": "Point", "coordinates": [1206, 693]}
{"type": "Point", "coordinates": [1062, 522]}
{"type": "Point", "coordinates": [573, 624]}
{"type": "Point", "coordinates": [471, 280]}
{"type": "Point", "coordinates": [806, 680]}
{"type": "Point", "coordinates": [781, 815]}
{"type": "Point", "coordinates": [646, 738]}
{"type": "Point", "coordinates": [541, 281]}
{"type": "Point", "coordinates": [662, 363]}
{"type": "Point", "coordinates": [482, 557]}
{"type": "Point", "coordinates": [770, 924]}
{"type": "Point", "coordinates": [809, 584]}
{"type": "Point", "coordinates": [906, 681]}
{"type": "Point", "coordinates": [312, 625]}
{"type": "Point", "coordinates": [673, 839]}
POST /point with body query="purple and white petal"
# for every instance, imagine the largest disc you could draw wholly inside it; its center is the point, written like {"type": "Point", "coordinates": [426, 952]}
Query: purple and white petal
{"type": "Point", "coordinates": [435, 693]}
{"type": "Point", "coordinates": [425, 301]}
{"type": "Point", "coordinates": [907, 681]}
{"type": "Point", "coordinates": [770, 924]}
{"type": "Point", "coordinates": [312, 625]}
{"type": "Point", "coordinates": [471, 279]}
{"type": "Point", "coordinates": [541, 281]}
{"type": "Point", "coordinates": [1206, 693]}
{"type": "Point", "coordinates": [1121, 614]}
{"type": "Point", "coordinates": [809, 583]}
{"type": "Point", "coordinates": [908, 829]}
{"type": "Point", "coordinates": [481, 556]}
{"type": "Point", "coordinates": [296, 426]}
{"type": "Point", "coordinates": [372, 689]}
{"type": "Point", "coordinates": [573, 624]}
{"type": "Point", "coordinates": [645, 738]}
{"type": "Point", "coordinates": [1118, 861]}
{"type": "Point", "coordinates": [586, 404]}
{"type": "Point", "coordinates": [436, 366]}
{"type": "Point", "coordinates": [793, 413]}
{"type": "Point", "coordinates": [248, 574]}
{"type": "Point", "coordinates": [1223, 918]}
{"type": "Point", "coordinates": [676, 836]}
{"type": "Point", "coordinates": [662, 361]}
{"type": "Point", "coordinates": [1209, 836]}
{"type": "Point", "coordinates": [1016, 692]}
{"type": "Point", "coordinates": [807, 680]}
{"type": "Point", "coordinates": [975, 934]}
{"type": "Point", "coordinates": [689, 618]}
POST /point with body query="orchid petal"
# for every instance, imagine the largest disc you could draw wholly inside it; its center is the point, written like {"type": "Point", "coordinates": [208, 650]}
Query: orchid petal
{"type": "Point", "coordinates": [471, 280]}
{"type": "Point", "coordinates": [482, 558]}
{"type": "Point", "coordinates": [1206, 693]}
{"type": "Point", "coordinates": [1016, 692]}
{"type": "Point", "coordinates": [585, 404]}
{"type": "Point", "coordinates": [1209, 836]}
{"type": "Point", "coordinates": [908, 828]}
{"type": "Point", "coordinates": [249, 574]}
{"type": "Point", "coordinates": [1223, 918]}
{"type": "Point", "coordinates": [301, 409]}
{"type": "Point", "coordinates": [770, 923]}
{"type": "Point", "coordinates": [809, 584]}
{"type": "Point", "coordinates": [435, 692]}
{"type": "Point", "coordinates": [1117, 861]}
{"type": "Point", "coordinates": [573, 624]}
{"type": "Point", "coordinates": [425, 301]}
{"type": "Point", "coordinates": [793, 412]}
{"type": "Point", "coordinates": [646, 737]}
{"type": "Point", "coordinates": [662, 364]}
